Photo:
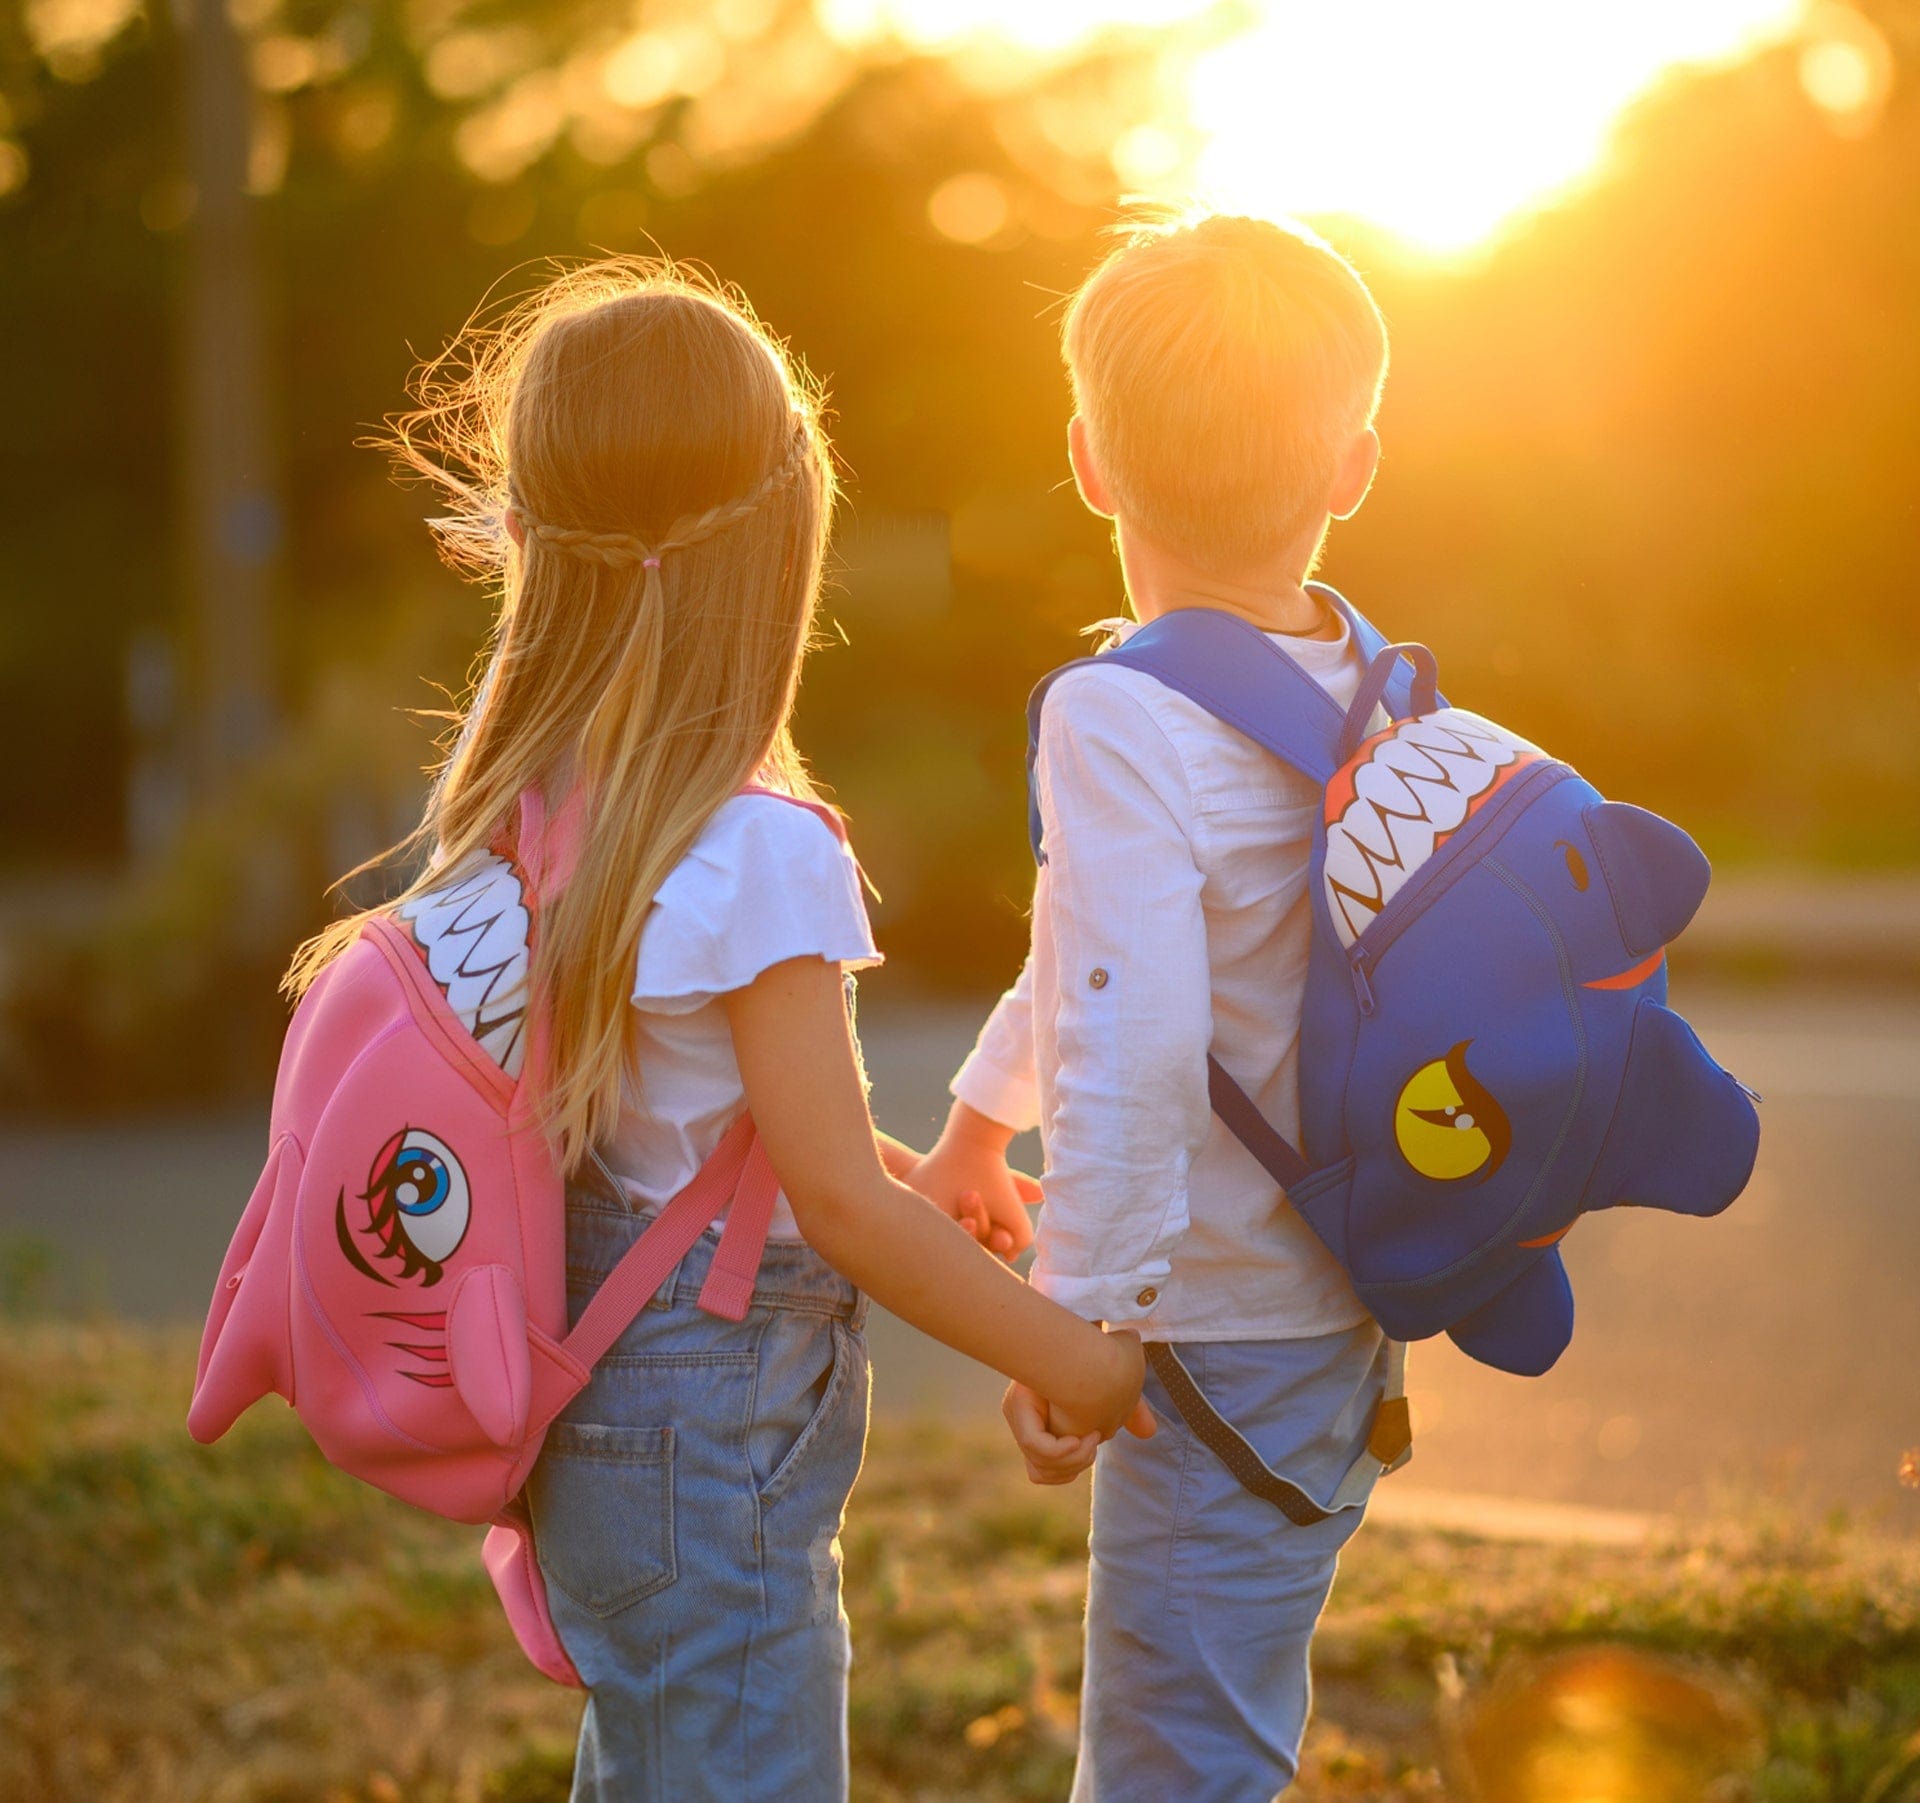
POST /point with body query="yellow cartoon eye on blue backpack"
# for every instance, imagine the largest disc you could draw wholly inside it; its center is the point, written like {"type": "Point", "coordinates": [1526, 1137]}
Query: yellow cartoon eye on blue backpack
{"type": "Point", "coordinates": [1446, 1122]}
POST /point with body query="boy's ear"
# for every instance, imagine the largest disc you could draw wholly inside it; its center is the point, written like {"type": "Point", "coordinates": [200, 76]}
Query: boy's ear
{"type": "Point", "coordinates": [1086, 471]}
{"type": "Point", "coordinates": [1354, 476]}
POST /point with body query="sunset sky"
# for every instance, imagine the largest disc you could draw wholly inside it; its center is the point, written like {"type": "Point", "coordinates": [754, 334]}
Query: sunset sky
{"type": "Point", "coordinates": [1440, 123]}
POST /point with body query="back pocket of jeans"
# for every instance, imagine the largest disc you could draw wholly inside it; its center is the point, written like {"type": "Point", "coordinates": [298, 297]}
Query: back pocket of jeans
{"type": "Point", "coordinates": [602, 1503]}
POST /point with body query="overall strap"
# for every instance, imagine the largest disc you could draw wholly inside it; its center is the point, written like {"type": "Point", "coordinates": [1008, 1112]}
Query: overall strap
{"type": "Point", "coordinates": [1389, 1441]}
{"type": "Point", "coordinates": [738, 1172]}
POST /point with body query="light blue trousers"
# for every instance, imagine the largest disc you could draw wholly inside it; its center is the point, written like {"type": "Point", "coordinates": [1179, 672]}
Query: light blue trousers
{"type": "Point", "coordinates": [1203, 1598]}
{"type": "Point", "coordinates": [687, 1511]}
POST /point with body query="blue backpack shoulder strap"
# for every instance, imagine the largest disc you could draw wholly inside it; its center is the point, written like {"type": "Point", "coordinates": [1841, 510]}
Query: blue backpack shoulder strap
{"type": "Point", "coordinates": [1240, 676]}
{"type": "Point", "coordinates": [1370, 641]}
{"type": "Point", "coordinates": [1230, 668]}
{"type": "Point", "coordinates": [1246, 681]}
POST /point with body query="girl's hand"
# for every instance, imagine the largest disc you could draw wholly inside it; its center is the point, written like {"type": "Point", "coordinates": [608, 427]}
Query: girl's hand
{"type": "Point", "coordinates": [1119, 1404]}
{"type": "Point", "coordinates": [801, 1071]}
{"type": "Point", "coordinates": [967, 1176]}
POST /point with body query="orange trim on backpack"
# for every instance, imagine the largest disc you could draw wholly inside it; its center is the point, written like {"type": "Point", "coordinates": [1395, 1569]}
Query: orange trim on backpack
{"type": "Point", "coordinates": [1629, 979]}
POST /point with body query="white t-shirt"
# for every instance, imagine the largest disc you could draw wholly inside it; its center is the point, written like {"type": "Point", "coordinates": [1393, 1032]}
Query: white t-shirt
{"type": "Point", "coordinates": [765, 881]}
{"type": "Point", "coordinates": [1170, 919]}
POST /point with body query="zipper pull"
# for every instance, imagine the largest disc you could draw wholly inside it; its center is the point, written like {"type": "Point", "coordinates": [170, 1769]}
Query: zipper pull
{"type": "Point", "coordinates": [1362, 989]}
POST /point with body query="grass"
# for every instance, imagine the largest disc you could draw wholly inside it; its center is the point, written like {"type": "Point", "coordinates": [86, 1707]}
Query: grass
{"type": "Point", "coordinates": [244, 1625]}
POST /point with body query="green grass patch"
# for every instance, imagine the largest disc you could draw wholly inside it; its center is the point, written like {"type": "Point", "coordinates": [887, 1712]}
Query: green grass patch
{"type": "Point", "coordinates": [242, 1623]}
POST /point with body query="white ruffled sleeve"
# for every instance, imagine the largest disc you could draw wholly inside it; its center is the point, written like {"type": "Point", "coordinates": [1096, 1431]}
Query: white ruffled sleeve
{"type": "Point", "coordinates": [765, 881]}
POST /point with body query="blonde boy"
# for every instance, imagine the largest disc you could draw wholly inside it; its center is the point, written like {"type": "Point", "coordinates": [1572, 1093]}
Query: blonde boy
{"type": "Point", "coordinates": [1225, 377]}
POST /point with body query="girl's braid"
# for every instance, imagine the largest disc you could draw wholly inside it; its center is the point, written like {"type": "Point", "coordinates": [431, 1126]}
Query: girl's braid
{"type": "Point", "coordinates": [621, 550]}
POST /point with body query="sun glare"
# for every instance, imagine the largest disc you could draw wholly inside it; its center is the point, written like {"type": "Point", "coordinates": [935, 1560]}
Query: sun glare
{"type": "Point", "coordinates": [1440, 123]}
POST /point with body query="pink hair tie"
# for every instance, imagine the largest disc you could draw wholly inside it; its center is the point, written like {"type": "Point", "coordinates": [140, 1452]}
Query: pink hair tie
{"type": "Point", "coordinates": [649, 563]}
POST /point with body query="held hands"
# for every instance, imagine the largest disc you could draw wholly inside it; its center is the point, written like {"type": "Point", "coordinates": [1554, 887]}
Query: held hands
{"type": "Point", "coordinates": [1059, 1442]}
{"type": "Point", "coordinates": [967, 1176]}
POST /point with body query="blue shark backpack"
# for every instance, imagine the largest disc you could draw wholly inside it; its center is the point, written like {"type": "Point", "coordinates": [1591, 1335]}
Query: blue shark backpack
{"type": "Point", "coordinates": [1486, 1051]}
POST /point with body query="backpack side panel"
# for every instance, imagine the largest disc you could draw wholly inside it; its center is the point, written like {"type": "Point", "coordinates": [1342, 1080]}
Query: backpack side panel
{"type": "Point", "coordinates": [247, 1347]}
{"type": "Point", "coordinates": [425, 1217]}
{"type": "Point", "coordinates": [399, 1274]}
{"type": "Point", "coordinates": [1485, 1048]}
{"type": "Point", "coordinates": [1507, 1064]}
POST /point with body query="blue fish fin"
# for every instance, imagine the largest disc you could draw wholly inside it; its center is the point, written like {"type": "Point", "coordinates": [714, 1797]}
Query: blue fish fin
{"type": "Point", "coordinates": [1527, 1325]}
{"type": "Point", "coordinates": [1684, 1134]}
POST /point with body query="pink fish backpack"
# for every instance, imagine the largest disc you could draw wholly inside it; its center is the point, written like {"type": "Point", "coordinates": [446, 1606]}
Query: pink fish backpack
{"type": "Point", "coordinates": [399, 1275]}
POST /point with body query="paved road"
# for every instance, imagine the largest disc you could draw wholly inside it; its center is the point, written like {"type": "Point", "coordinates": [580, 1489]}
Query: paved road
{"type": "Point", "coordinates": [1773, 1351]}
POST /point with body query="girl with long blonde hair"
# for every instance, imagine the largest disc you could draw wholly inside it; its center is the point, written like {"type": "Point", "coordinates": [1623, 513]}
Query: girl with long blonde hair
{"type": "Point", "coordinates": [638, 463]}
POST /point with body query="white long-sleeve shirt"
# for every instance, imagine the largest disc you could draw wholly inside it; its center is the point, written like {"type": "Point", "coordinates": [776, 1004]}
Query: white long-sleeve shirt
{"type": "Point", "coordinates": [1171, 918]}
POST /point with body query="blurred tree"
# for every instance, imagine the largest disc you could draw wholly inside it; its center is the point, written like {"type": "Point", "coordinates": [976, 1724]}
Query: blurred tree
{"type": "Point", "coordinates": [1649, 483]}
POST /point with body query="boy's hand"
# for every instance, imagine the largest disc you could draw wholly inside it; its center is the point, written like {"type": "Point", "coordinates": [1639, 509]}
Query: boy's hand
{"type": "Point", "coordinates": [899, 1161]}
{"type": "Point", "coordinates": [1051, 1458]}
{"type": "Point", "coordinates": [967, 1175]}
{"type": "Point", "coordinates": [1058, 1443]}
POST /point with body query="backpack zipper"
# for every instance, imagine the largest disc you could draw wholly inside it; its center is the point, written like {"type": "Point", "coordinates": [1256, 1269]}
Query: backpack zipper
{"type": "Point", "coordinates": [1362, 989]}
{"type": "Point", "coordinates": [1364, 955]}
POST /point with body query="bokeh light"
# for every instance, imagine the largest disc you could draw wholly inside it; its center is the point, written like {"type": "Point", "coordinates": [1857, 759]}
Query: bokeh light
{"type": "Point", "coordinates": [1439, 124]}
{"type": "Point", "coordinates": [1031, 24]}
{"type": "Point", "coordinates": [1606, 1724]}
{"type": "Point", "coordinates": [1846, 68]}
{"type": "Point", "coordinates": [969, 209]}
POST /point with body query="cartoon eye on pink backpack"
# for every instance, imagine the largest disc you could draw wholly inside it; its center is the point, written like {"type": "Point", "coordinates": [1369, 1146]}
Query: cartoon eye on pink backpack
{"type": "Point", "coordinates": [399, 1275]}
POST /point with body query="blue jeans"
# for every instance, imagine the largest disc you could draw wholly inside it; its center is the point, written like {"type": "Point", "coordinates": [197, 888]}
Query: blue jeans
{"type": "Point", "coordinates": [1203, 1599]}
{"type": "Point", "coordinates": [687, 1511]}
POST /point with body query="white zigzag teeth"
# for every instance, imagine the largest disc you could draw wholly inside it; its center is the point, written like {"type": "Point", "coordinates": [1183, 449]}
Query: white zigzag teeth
{"type": "Point", "coordinates": [502, 936]}
{"type": "Point", "coordinates": [474, 934]}
{"type": "Point", "coordinates": [1417, 786]}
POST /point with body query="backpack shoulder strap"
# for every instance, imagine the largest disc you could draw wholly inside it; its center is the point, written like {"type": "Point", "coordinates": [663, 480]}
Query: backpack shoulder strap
{"type": "Point", "coordinates": [1239, 675]}
{"type": "Point", "coordinates": [1226, 666]}
{"type": "Point", "coordinates": [825, 812]}
{"type": "Point", "coordinates": [1246, 681]}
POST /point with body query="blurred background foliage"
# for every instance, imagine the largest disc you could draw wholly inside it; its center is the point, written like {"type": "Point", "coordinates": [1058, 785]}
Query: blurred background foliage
{"type": "Point", "coordinates": [1649, 483]}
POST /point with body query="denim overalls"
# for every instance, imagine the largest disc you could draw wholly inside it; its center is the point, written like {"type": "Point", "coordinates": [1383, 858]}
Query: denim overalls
{"type": "Point", "coordinates": [688, 1508]}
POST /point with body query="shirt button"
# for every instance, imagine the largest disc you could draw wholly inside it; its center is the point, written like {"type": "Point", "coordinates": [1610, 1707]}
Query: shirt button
{"type": "Point", "coordinates": [1148, 1297]}
{"type": "Point", "coordinates": [1098, 980]}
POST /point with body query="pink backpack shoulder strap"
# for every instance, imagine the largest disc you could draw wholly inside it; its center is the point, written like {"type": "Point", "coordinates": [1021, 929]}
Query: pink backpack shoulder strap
{"type": "Point", "coordinates": [548, 847]}
{"type": "Point", "coordinates": [820, 810]}
{"type": "Point", "coordinates": [738, 1172]}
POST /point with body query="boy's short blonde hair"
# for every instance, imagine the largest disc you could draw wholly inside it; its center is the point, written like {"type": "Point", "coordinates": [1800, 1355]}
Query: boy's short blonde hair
{"type": "Point", "coordinates": [1222, 366]}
